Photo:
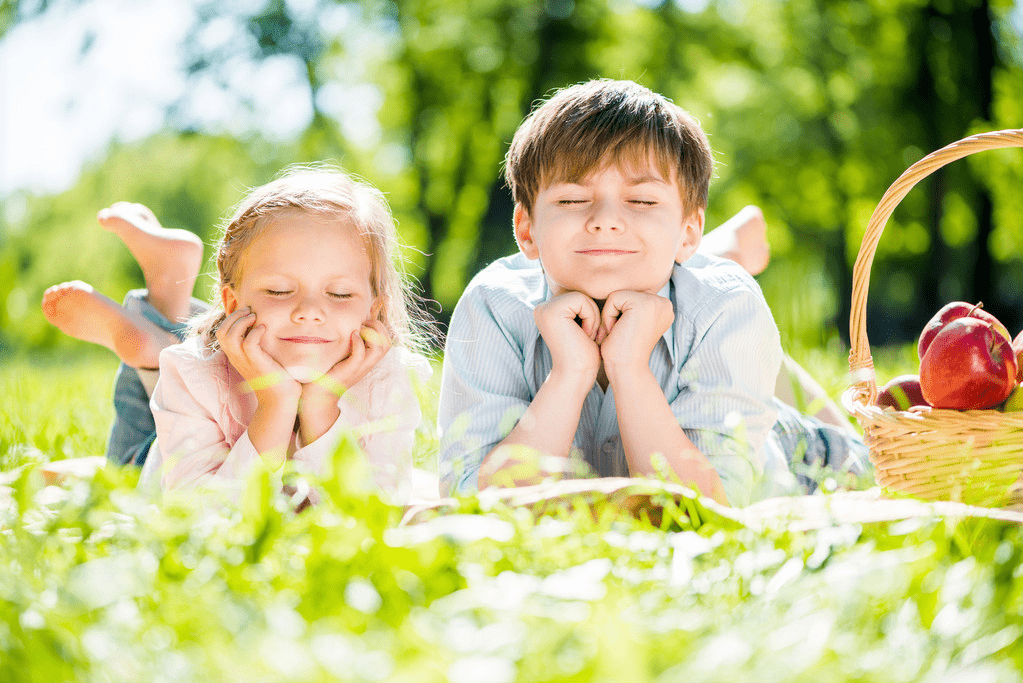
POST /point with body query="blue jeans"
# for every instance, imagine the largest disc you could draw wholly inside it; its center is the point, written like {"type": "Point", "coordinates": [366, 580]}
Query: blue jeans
{"type": "Point", "coordinates": [134, 430]}
{"type": "Point", "coordinates": [816, 449]}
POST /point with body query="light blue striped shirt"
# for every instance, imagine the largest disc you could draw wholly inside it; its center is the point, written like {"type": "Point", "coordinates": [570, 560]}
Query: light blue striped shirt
{"type": "Point", "coordinates": [717, 366]}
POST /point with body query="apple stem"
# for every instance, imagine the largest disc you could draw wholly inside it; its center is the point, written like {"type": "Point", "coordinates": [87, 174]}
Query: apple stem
{"type": "Point", "coordinates": [979, 304]}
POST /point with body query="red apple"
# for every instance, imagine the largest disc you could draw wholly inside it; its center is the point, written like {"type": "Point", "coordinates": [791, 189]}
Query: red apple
{"type": "Point", "coordinates": [901, 393]}
{"type": "Point", "coordinates": [968, 365]}
{"type": "Point", "coordinates": [954, 311]}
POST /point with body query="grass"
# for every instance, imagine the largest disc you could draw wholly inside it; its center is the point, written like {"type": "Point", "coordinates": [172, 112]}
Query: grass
{"type": "Point", "coordinates": [100, 583]}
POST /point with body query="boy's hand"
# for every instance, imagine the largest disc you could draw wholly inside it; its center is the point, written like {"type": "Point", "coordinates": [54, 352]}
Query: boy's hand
{"type": "Point", "coordinates": [240, 338]}
{"type": "Point", "coordinates": [630, 325]}
{"type": "Point", "coordinates": [572, 342]}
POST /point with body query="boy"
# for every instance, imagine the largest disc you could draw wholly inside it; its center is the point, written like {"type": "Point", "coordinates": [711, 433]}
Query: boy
{"type": "Point", "coordinates": [608, 335]}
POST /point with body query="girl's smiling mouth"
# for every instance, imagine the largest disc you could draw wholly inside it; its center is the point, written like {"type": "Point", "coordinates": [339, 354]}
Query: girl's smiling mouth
{"type": "Point", "coordinates": [306, 340]}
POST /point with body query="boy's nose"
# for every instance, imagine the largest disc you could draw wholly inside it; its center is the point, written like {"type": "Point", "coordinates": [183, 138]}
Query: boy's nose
{"type": "Point", "coordinates": [604, 216]}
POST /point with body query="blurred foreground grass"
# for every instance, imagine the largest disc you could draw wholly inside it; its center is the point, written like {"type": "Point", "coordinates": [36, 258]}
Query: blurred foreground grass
{"type": "Point", "coordinates": [101, 583]}
{"type": "Point", "coordinates": [55, 406]}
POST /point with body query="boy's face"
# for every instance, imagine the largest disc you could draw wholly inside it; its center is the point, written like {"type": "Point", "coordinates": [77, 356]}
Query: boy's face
{"type": "Point", "coordinates": [615, 229]}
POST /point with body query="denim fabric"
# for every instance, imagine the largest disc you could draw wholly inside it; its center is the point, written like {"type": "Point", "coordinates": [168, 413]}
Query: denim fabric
{"type": "Point", "coordinates": [817, 449]}
{"type": "Point", "coordinates": [134, 431]}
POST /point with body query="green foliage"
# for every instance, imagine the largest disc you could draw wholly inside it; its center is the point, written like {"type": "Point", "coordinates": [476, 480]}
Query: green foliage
{"type": "Point", "coordinates": [98, 582]}
{"type": "Point", "coordinates": [814, 107]}
{"type": "Point", "coordinates": [101, 581]}
{"type": "Point", "coordinates": [52, 408]}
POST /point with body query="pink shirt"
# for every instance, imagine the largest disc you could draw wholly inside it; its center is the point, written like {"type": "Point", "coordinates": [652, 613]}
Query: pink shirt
{"type": "Point", "coordinates": [202, 409]}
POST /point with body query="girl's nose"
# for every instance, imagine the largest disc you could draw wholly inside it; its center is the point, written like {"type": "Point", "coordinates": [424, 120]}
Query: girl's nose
{"type": "Point", "coordinates": [307, 309]}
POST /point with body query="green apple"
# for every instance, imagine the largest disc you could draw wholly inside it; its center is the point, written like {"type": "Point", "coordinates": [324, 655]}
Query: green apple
{"type": "Point", "coordinates": [1014, 403]}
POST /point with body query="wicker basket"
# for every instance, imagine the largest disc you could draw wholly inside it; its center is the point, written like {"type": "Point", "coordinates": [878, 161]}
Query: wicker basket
{"type": "Point", "coordinates": [971, 456]}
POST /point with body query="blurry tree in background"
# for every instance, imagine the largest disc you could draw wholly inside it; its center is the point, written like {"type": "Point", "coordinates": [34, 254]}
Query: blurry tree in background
{"type": "Point", "coordinates": [813, 107]}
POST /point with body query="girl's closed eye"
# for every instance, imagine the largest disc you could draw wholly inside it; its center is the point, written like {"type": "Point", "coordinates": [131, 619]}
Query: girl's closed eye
{"type": "Point", "coordinates": [277, 292]}
{"type": "Point", "coordinates": [339, 295]}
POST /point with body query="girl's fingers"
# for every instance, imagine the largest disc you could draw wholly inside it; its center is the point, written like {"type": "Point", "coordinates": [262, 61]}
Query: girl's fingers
{"type": "Point", "coordinates": [251, 341]}
{"type": "Point", "coordinates": [374, 333]}
{"type": "Point", "coordinates": [358, 351]}
{"type": "Point", "coordinates": [234, 326]}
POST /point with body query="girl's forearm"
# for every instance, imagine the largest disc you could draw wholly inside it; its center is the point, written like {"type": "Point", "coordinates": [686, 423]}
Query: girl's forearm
{"type": "Point", "coordinates": [316, 417]}
{"type": "Point", "coordinates": [272, 428]}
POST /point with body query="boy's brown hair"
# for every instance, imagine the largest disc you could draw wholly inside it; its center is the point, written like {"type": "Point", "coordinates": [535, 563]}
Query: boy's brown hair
{"type": "Point", "coordinates": [586, 126]}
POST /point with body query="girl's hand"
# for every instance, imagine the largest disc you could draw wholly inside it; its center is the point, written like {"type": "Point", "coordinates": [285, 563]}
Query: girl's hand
{"type": "Point", "coordinates": [369, 344]}
{"type": "Point", "coordinates": [240, 338]}
{"type": "Point", "coordinates": [318, 406]}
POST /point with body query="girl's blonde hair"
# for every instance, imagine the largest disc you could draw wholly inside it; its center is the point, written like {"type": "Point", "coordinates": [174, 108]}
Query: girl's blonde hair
{"type": "Point", "coordinates": [323, 190]}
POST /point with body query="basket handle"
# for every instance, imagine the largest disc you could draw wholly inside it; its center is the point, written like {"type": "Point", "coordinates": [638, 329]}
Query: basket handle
{"type": "Point", "coordinates": [861, 365]}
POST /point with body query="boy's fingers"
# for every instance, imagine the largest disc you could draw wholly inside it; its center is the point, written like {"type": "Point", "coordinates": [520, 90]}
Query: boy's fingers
{"type": "Point", "coordinates": [575, 305]}
{"type": "Point", "coordinates": [609, 316]}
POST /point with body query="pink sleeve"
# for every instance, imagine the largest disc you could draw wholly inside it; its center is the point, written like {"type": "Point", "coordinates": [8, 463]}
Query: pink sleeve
{"type": "Point", "coordinates": [192, 426]}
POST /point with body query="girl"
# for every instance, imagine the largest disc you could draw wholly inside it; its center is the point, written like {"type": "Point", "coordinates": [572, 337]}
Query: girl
{"type": "Point", "coordinates": [311, 336]}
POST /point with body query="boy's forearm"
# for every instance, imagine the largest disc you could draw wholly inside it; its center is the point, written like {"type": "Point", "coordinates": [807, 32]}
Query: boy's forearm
{"type": "Point", "coordinates": [648, 426]}
{"type": "Point", "coordinates": [547, 427]}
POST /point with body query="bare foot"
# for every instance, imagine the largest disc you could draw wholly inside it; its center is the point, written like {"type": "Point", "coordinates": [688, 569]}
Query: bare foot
{"type": "Point", "coordinates": [170, 258]}
{"type": "Point", "coordinates": [79, 311]}
{"type": "Point", "coordinates": [743, 239]}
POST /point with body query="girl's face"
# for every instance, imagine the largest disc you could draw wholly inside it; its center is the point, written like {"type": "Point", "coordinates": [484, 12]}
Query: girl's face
{"type": "Point", "coordinates": [307, 279]}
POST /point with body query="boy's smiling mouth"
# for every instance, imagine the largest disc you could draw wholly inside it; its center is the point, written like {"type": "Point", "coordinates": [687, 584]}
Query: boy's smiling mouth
{"type": "Point", "coordinates": [605, 252]}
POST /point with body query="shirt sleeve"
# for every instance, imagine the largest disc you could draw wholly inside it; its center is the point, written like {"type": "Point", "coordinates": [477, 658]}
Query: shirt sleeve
{"type": "Point", "coordinates": [187, 407]}
{"type": "Point", "coordinates": [484, 390]}
{"type": "Point", "coordinates": [726, 386]}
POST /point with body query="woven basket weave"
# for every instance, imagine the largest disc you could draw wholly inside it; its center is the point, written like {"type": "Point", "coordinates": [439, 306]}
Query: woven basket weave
{"type": "Point", "coordinates": [971, 456]}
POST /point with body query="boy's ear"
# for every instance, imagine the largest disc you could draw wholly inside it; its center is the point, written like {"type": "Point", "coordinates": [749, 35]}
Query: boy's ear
{"type": "Point", "coordinates": [229, 299]}
{"type": "Point", "coordinates": [692, 233]}
{"type": "Point", "coordinates": [524, 233]}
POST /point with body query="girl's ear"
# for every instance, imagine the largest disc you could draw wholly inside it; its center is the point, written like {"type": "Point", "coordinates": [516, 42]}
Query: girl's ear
{"type": "Point", "coordinates": [524, 233]}
{"type": "Point", "coordinates": [374, 310]}
{"type": "Point", "coordinates": [692, 233]}
{"type": "Point", "coordinates": [229, 299]}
